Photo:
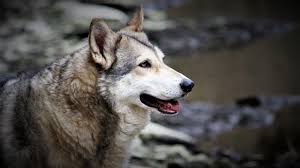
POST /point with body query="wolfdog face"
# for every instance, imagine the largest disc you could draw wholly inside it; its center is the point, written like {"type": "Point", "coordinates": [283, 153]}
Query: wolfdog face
{"type": "Point", "coordinates": [135, 76]}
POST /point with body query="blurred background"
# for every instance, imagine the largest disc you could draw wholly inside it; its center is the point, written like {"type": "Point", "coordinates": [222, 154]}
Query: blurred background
{"type": "Point", "coordinates": [243, 56]}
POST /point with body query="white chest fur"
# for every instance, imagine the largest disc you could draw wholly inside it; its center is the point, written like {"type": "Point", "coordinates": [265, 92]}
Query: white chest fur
{"type": "Point", "coordinates": [130, 125]}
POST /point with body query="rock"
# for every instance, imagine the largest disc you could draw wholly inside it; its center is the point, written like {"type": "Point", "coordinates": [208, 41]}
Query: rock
{"type": "Point", "coordinates": [161, 146]}
{"type": "Point", "coordinates": [158, 25]}
{"type": "Point", "coordinates": [77, 16]}
{"type": "Point", "coordinates": [155, 131]}
{"type": "Point", "coordinates": [24, 9]}
{"type": "Point", "coordinates": [148, 4]}
{"type": "Point", "coordinates": [35, 42]}
{"type": "Point", "coordinates": [3, 67]}
{"type": "Point", "coordinates": [127, 3]}
{"type": "Point", "coordinates": [204, 120]}
{"type": "Point", "coordinates": [165, 154]}
{"type": "Point", "coordinates": [215, 34]}
{"type": "Point", "coordinates": [283, 135]}
{"type": "Point", "coordinates": [248, 101]}
{"type": "Point", "coordinates": [39, 28]}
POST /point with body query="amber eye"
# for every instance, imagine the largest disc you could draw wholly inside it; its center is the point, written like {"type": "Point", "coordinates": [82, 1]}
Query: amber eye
{"type": "Point", "coordinates": [145, 64]}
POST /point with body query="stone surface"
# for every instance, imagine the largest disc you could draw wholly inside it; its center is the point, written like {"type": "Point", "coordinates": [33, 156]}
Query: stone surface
{"type": "Point", "coordinates": [155, 131]}
{"type": "Point", "coordinates": [204, 120]}
{"type": "Point", "coordinates": [159, 146]}
{"type": "Point", "coordinates": [216, 34]}
{"type": "Point", "coordinates": [58, 30]}
{"type": "Point", "coordinates": [76, 15]}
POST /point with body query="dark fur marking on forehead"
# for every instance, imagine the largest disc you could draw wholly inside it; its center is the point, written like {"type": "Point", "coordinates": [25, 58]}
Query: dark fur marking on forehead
{"type": "Point", "coordinates": [121, 68]}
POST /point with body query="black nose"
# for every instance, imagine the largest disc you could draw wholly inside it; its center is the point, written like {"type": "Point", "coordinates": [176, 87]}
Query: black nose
{"type": "Point", "coordinates": [187, 85]}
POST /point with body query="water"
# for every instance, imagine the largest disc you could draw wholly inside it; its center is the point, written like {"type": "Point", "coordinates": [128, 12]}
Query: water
{"type": "Point", "coordinates": [268, 66]}
{"type": "Point", "coordinates": [203, 9]}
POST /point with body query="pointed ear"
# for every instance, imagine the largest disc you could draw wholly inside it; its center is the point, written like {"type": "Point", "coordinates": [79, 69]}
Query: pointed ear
{"type": "Point", "coordinates": [102, 42]}
{"type": "Point", "coordinates": [136, 23]}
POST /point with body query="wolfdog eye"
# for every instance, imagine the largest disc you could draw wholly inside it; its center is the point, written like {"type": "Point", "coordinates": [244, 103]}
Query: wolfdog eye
{"type": "Point", "coordinates": [145, 64]}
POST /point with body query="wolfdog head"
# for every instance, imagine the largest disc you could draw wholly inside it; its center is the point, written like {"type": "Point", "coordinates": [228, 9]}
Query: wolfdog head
{"type": "Point", "coordinates": [135, 77]}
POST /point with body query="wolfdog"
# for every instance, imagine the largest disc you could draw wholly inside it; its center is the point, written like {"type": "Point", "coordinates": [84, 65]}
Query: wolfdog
{"type": "Point", "coordinates": [83, 110]}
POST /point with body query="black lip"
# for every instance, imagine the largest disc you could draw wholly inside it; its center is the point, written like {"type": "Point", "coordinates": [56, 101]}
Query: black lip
{"type": "Point", "coordinates": [148, 99]}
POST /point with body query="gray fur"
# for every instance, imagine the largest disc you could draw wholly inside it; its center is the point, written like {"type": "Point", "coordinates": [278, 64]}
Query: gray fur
{"type": "Point", "coordinates": [23, 140]}
{"type": "Point", "coordinates": [69, 114]}
{"type": "Point", "coordinates": [39, 111]}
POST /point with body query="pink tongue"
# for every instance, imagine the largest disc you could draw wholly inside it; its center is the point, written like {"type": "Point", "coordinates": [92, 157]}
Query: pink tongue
{"type": "Point", "coordinates": [169, 107]}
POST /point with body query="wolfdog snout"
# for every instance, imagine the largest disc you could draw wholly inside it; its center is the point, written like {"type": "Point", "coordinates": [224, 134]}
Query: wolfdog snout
{"type": "Point", "coordinates": [187, 85]}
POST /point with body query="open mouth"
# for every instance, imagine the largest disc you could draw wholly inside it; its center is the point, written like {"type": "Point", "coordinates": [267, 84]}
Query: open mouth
{"type": "Point", "coordinates": [164, 106]}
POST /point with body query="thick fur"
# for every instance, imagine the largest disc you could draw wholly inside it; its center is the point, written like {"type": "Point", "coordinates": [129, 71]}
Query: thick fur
{"type": "Point", "coordinates": [83, 110]}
